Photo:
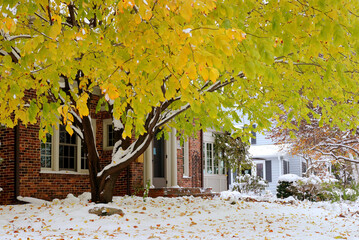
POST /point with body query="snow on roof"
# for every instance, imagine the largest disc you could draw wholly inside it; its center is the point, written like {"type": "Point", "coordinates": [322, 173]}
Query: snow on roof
{"type": "Point", "coordinates": [267, 150]}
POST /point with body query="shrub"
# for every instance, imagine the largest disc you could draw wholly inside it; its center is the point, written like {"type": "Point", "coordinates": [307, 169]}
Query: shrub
{"type": "Point", "coordinates": [249, 184]}
{"type": "Point", "coordinates": [315, 189]}
{"type": "Point", "coordinates": [286, 186]}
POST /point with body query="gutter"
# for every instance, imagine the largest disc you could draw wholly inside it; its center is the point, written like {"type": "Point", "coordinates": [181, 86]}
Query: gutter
{"type": "Point", "coordinates": [16, 162]}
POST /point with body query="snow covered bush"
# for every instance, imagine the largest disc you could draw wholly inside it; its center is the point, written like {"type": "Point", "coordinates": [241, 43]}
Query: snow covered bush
{"type": "Point", "coordinates": [337, 191]}
{"type": "Point", "coordinates": [285, 187]}
{"type": "Point", "coordinates": [314, 188]}
{"type": "Point", "coordinates": [309, 188]}
{"type": "Point", "coordinates": [249, 184]}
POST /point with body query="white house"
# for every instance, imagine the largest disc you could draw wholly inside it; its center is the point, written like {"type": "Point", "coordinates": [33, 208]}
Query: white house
{"type": "Point", "coordinates": [272, 161]}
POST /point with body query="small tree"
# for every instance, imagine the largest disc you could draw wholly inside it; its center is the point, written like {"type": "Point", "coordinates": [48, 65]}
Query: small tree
{"type": "Point", "coordinates": [232, 151]}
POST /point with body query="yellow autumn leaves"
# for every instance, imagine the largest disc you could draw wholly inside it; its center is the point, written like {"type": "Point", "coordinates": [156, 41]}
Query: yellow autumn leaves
{"type": "Point", "coordinates": [68, 112]}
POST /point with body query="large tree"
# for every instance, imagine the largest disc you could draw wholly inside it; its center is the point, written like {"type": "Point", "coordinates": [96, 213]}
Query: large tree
{"type": "Point", "coordinates": [153, 60]}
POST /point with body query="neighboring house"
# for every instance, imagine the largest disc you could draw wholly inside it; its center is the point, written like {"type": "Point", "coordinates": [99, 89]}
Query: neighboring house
{"type": "Point", "coordinates": [58, 167]}
{"type": "Point", "coordinates": [272, 161]}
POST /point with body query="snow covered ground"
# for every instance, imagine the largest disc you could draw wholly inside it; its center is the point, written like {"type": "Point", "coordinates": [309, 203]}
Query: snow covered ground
{"type": "Point", "coordinates": [185, 217]}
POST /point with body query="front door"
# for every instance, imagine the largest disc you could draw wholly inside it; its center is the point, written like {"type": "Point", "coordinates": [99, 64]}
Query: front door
{"type": "Point", "coordinates": [158, 163]}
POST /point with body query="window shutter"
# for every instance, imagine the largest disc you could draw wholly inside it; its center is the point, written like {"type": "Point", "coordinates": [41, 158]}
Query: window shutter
{"type": "Point", "coordinates": [254, 136]}
{"type": "Point", "coordinates": [269, 170]}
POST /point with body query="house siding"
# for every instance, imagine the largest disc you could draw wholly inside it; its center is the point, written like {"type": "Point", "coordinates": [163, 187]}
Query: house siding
{"type": "Point", "coordinates": [262, 139]}
{"type": "Point", "coordinates": [295, 164]}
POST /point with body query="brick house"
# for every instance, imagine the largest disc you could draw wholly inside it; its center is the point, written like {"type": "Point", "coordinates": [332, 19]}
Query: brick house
{"type": "Point", "coordinates": [54, 169]}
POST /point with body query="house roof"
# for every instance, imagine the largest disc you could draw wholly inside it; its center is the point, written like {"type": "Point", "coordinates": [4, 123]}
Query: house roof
{"type": "Point", "coordinates": [269, 150]}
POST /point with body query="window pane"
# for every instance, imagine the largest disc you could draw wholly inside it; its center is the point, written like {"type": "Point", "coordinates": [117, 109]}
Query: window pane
{"type": "Point", "coordinates": [67, 150]}
{"type": "Point", "coordinates": [209, 158]}
{"type": "Point", "coordinates": [260, 170]}
{"type": "Point", "coordinates": [45, 152]}
{"type": "Point", "coordinates": [223, 168]}
{"type": "Point", "coordinates": [83, 156]}
{"type": "Point", "coordinates": [110, 136]}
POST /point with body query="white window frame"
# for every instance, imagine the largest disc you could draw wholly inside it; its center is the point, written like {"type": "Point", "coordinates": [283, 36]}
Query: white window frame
{"type": "Point", "coordinates": [55, 144]}
{"type": "Point", "coordinates": [186, 158]}
{"type": "Point", "coordinates": [285, 161]}
{"type": "Point", "coordinates": [213, 157]}
{"type": "Point", "coordinates": [254, 169]}
{"type": "Point", "coordinates": [105, 124]}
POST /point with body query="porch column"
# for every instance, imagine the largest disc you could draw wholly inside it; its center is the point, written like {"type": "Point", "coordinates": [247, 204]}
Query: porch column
{"type": "Point", "coordinates": [173, 158]}
{"type": "Point", "coordinates": [148, 172]}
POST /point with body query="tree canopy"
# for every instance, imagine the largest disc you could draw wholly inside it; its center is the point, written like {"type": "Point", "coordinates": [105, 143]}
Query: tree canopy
{"type": "Point", "coordinates": [151, 60]}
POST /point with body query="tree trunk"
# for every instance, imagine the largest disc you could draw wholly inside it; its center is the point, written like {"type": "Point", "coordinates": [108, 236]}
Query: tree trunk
{"type": "Point", "coordinates": [93, 161]}
{"type": "Point", "coordinates": [106, 192]}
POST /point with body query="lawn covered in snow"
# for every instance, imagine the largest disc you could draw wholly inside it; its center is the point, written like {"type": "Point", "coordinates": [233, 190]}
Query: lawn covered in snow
{"type": "Point", "coordinates": [225, 217]}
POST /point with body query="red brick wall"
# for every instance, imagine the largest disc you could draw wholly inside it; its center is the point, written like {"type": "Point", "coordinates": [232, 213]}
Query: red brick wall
{"type": "Point", "coordinates": [195, 163]}
{"type": "Point", "coordinates": [7, 175]}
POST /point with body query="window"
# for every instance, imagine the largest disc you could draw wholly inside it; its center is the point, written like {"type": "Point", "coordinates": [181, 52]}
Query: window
{"type": "Point", "coordinates": [46, 152]}
{"type": "Point", "coordinates": [185, 152]}
{"type": "Point", "coordinates": [254, 136]}
{"type": "Point", "coordinates": [63, 152]}
{"type": "Point", "coordinates": [108, 134]}
{"type": "Point", "coordinates": [67, 150]}
{"type": "Point", "coordinates": [304, 168]}
{"type": "Point", "coordinates": [263, 169]}
{"type": "Point", "coordinates": [285, 166]}
{"type": "Point", "coordinates": [212, 163]}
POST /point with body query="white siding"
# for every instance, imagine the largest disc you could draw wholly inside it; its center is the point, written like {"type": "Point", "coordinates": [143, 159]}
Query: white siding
{"type": "Point", "coordinates": [262, 139]}
{"type": "Point", "coordinates": [275, 174]}
{"type": "Point", "coordinates": [295, 164]}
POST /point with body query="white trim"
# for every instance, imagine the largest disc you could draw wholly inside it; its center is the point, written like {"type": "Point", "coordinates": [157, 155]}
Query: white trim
{"type": "Point", "coordinates": [254, 170]}
{"type": "Point", "coordinates": [173, 143]}
{"type": "Point", "coordinates": [45, 171]}
{"type": "Point", "coordinates": [186, 159]}
{"type": "Point", "coordinates": [148, 170]}
{"type": "Point", "coordinates": [105, 123]}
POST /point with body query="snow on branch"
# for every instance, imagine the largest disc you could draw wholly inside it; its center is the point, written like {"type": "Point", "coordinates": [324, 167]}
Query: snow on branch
{"type": "Point", "coordinates": [78, 131]}
{"type": "Point", "coordinates": [120, 156]}
{"type": "Point", "coordinates": [171, 115]}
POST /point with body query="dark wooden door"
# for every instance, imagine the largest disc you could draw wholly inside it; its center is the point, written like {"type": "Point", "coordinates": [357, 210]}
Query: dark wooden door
{"type": "Point", "coordinates": [159, 162]}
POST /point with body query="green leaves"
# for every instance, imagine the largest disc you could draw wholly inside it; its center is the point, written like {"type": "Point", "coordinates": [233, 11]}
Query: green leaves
{"type": "Point", "coordinates": [140, 57]}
